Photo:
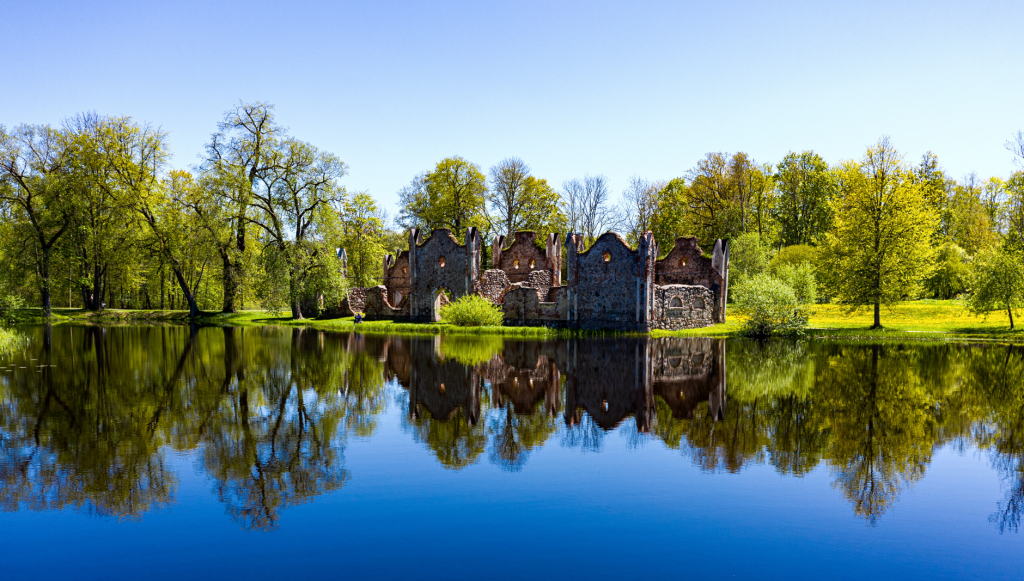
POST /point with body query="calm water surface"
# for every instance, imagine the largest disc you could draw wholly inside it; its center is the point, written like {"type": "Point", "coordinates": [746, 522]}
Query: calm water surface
{"type": "Point", "coordinates": [170, 453]}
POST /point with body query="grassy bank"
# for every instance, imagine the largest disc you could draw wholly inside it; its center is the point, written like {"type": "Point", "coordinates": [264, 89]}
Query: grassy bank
{"type": "Point", "coordinates": [927, 319]}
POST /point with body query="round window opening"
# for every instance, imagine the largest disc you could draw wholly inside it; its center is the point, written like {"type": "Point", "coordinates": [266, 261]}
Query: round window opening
{"type": "Point", "coordinates": [405, 270]}
{"type": "Point", "coordinates": [440, 388]}
{"type": "Point", "coordinates": [440, 262]}
{"type": "Point", "coordinates": [682, 262]}
{"type": "Point", "coordinates": [533, 263]}
{"type": "Point", "coordinates": [515, 264]}
{"type": "Point", "coordinates": [607, 257]}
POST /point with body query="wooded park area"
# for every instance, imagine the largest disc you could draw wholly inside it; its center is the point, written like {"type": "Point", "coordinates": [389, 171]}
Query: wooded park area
{"type": "Point", "coordinates": [94, 216]}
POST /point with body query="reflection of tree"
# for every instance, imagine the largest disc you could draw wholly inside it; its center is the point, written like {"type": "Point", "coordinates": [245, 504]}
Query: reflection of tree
{"type": "Point", "coordinates": [515, 435]}
{"type": "Point", "coordinates": [457, 442]}
{"type": "Point", "coordinates": [583, 432]}
{"type": "Point", "coordinates": [997, 376]}
{"type": "Point", "coordinates": [276, 440]}
{"type": "Point", "coordinates": [87, 432]}
{"type": "Point", "coordinates": [881, 429]}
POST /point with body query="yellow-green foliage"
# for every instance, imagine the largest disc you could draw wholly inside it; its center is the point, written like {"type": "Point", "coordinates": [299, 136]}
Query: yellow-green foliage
{"type": "Point", "coordinates": [472, 311]}
{"type": "Point", "coordinates": [9, 340]}
{"type": "Point", "coordinates": [794, 256]}
{"type": "Point", "coordinates": [471, 350]}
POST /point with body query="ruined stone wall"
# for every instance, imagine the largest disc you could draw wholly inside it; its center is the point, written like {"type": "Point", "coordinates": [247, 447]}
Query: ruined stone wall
{"type": "Point", "coordinates": [524, 257]}
{"type": "Point", "coordinates": [492, 285]}
{"type": "Point", "coordinates": [679, 306]}
{"type": "Point", "coordinates": [686, 264]}
{"type": "Point", "coordinates": [611, 285]}
{"type": "Point", "coordinates": [396, 277]}
{"type": "Point", "coordinates": [441, 386]}
{"type": "Point", "coordinates": [356, 300]}
{"type": "Point", "coordinates": [610, 380]}
{"type": "Point", "coordinates": [527, 307]}
{"type": "Point", "coordinates": [377, 306]}
{"type": "Point", "coordinates": [441, 264]}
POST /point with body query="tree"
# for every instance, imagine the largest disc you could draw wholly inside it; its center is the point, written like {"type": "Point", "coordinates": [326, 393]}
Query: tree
{"type": "Point", "coordinates": [998, 283]}
{"type": "Point", "coordinates": [452, 196]}
{"type": "Point", "coordinates": [586, 205]}
{"type": "Point", "coordinates": [542, 208]}
{"type": "Point", "coordinates": [937, 191]}
{"type": "Point", "coordinates": [806, 188]}
{"type": "Point", "coordinates": [363, 238]}
{"type": "Point", "coordinates": [507, 192]}
{"type": "Point", "coordinates": [670, 217]}
{"type": "Point", "coordinates": [970, 222]}
{"type": "Point", "coordinates": [241, 151]}
{"type": "Point", "coordinates": [294, 203]}
{"type": "Point", "coordinates": [880, 247]}
{"type": "Point", "coordinates": [638, 207]}
{"type": "Point", "coordinates": [708, 198]}
{"type": "Point", "coordinates": [34, 192]}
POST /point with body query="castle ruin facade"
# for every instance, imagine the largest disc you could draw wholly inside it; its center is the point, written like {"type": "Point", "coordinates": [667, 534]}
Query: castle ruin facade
{"type": "Point", "coordinates": [607, 286]}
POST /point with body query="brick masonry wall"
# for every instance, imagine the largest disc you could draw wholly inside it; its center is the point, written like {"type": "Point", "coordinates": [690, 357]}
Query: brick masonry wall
{"type": "Point", "coordinates": [440, 263]}
{"type": "Point", "coordinates": [396, 277]}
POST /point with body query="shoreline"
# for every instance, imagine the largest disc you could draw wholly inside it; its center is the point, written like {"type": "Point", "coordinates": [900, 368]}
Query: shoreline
{"type": "Point", "coordinates": [926, 320]}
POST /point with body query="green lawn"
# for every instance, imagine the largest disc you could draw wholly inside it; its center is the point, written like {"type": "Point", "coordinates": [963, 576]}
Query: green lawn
{"type": "Point", "coordinates": [926, 319]}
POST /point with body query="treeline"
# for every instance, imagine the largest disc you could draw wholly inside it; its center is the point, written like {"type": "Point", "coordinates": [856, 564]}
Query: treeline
{"type": "Point", "coordinates": [94, 216]}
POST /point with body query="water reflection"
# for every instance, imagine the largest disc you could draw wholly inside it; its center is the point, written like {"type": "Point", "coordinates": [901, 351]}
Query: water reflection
{"type": "Point", "coordinates": [87, 415]}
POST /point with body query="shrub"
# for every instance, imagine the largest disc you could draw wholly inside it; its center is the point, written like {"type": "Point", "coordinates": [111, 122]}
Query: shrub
{"type": "Point", "coordinates": [801, 279]}
{"type": "Point", "coordinates": [771, 307]}
{"type": "Point", "coordinates": [472, 311]}
{"type": "Point", "coordinates": [9, 340]}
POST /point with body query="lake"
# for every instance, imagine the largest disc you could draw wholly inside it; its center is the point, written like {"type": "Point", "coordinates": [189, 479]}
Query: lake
{"type": "Point", "coordinates": [169, 452]}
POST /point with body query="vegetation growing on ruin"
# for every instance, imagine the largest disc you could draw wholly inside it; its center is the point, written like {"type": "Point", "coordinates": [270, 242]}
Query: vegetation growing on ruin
{"type": "Point", "coordinates": [472, 311]}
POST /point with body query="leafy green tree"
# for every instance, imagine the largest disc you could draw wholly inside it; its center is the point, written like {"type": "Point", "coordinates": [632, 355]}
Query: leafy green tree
{"type": "Point", "coordinates": [880, 248]}
{"type": "Point", "coordinates": [542, 208]}
{"type": "Point", "coordinates": [452, 196]}
{"type": "Point", "coordinates": [670, 217]}
{"type": "Point", "coordinates": [34, 194]}
{"type": "Point", "coordinates": [806, 188]}
{"type": "Point", "coordinates": [748, 256]}
{"type": "Point", "coordinates": [937, 191]}
{"type": "Point", "coordinates": [952, 274]}
{"type": "Point", "coordinates": [363, 238]}
{"type": "Point", "coordinates": [295, 205]}
{"type": "Point", "coordinates": [971, 222]}
{"type": "Point", "coordinates": [243, 149]}
{"type": "Point", "coordinates": [507, 194]}
{"type": "Point", "coordinates": [998, 283]}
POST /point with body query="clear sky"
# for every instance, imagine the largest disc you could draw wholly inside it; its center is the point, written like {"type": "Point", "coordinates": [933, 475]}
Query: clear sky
{"type": "Point", "coordinates": [619, 88]}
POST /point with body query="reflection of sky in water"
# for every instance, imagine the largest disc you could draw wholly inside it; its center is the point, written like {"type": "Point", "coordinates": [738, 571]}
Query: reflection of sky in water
{"type": "Point", "coordinates": [577, 502]}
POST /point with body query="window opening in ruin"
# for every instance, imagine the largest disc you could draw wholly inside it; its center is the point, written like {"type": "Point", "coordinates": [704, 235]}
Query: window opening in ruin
{"type": "Point", "coordinates": [682, 262]}
{"type": "Point", "coordinates": [675, 303]}
{"type": "Point", "coordinates": [440, 388]}
{"type": "Point", "coordinates": [405, 270]}
{"type": "Point", "coordinates": [515, 264]}
{"type": "Point", "coordinates": [398, 297]}
{"type": "Point", "coordinates": [604, 404]}
{"type": "Point", "coordinates": [440, 262]}
{"type": "Point", "coordinates": [698, 303]}
{"type": "Point", "coordinates": [607, 257]}
{"type": "Point", "coordinates": [533, 263]}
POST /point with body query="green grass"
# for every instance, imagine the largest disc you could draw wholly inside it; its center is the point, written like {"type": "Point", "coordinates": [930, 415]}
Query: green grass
{"type": "Point", "coordinates": [926, 319]}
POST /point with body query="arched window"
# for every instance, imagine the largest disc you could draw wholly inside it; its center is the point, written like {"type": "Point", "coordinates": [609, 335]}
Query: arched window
{"type": "Point", "coordinates": [675, 303]}
{"type": "Point", "coordinates": [607, 256]}
{"type": "Point", "coordinates": [698, 303]}
{"type": "Point", "coordinates": [440, 262]}
{"type": "Point", "coordinates": [533, 263]}
{"type": "Point", "coordinates": [515, 264]}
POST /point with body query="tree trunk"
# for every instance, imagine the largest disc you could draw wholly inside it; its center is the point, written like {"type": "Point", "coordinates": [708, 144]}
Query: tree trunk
{"type": "Point", "coordinates": [878, 316]}
{"type": "Point", "coordinates": [44, 281]}
{"type": "Point", "coordinates": [293, 294]}
{"type": "Point", "coordinates": [1009, 311]}
{"type": "Point", "coordinates": [193, 308]}
{"type": "Point", "coordinates": [230, 283]}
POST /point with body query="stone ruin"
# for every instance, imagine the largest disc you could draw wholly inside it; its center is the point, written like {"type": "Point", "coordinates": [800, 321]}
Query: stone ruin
{"type": "Point", "coordinates": [608, 286]}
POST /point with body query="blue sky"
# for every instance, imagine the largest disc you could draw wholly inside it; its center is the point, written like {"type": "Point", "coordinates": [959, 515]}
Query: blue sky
{"type": "Point", "coordinates": [619, 88]}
